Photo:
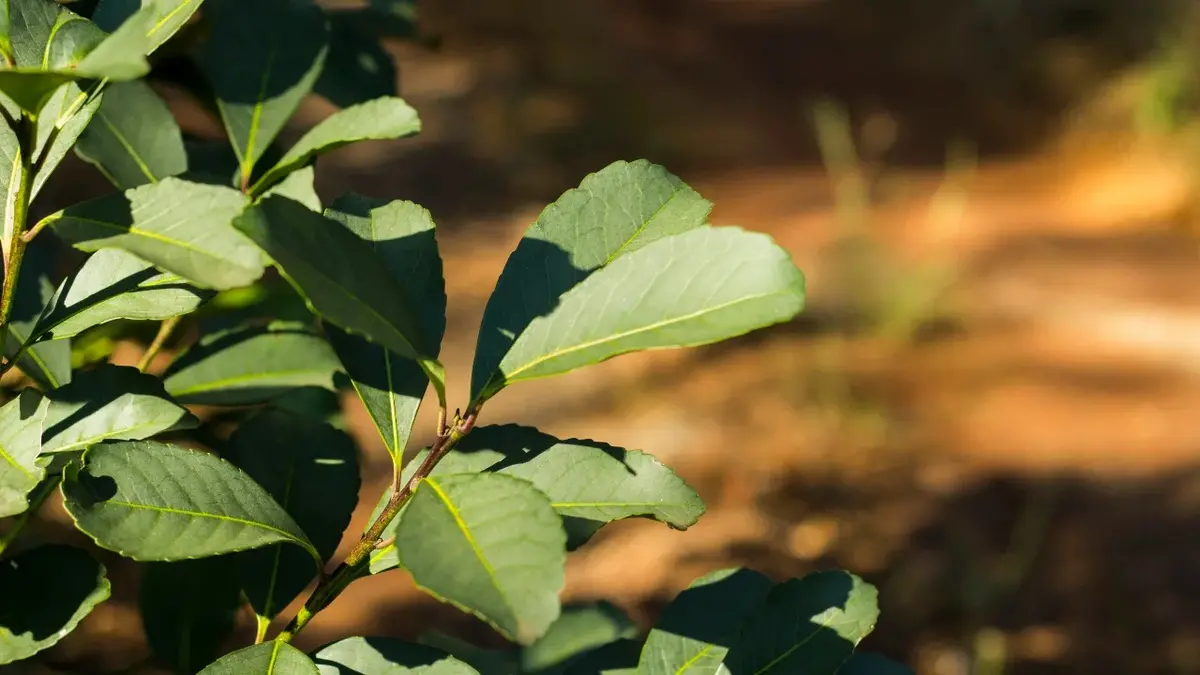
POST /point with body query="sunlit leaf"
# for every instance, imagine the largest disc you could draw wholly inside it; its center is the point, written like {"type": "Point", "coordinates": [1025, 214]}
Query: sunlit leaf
{"type": "Point", "coordinates": [133, 138]}
{"type": "Point", "coordinates": [188, 609]}
{"type": "Point", "coordinates": [615, 211]}
{"type": "Point", "coordinates": [300, 186]}
{"type": "Point", "coordinates": [115, 284]}
{"type": "Point", "coordinates": [251, 365]}
{"type": "Point", "coordinates": [48, 590]}
{"type": "Point", "coordinates": [579, 630]}
{"type": "Point", "coordinates": [490, 544]}
{"type": "Point", "coordinates": [269, 658]}
{"type": "Point", "coordinates": [180, 226]}
{"type": "Point", "coordinates": [391, 387]}
{"type": "Point", "coordinates": [703, 286]}
{"type": "Point", "coordinates": [381, 119]}
{"type": "Point", "coordinates": [110, 403]}
{"type": "Point", "coordinates": [153, 501]}
{"type": "Point", "coordinates": [21, 421]}
{"type": "Point", "coordinates": [311, 470]}
{"type": "Point", "coordinates": [386, 656]}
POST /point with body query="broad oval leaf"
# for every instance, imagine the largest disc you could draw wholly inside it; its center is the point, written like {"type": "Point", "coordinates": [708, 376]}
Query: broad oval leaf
{"type": "Point", "coordinates": [167, 16]}
{"type": "Point", "coordinates": [579, 630]}
{"type": "Point", "coordinates": [270, 658]}
{"type": "Point", "coordinates": [826, 614]}
{"type": "Point", "coordinates": [381, 119]}
{"type": "Point", "coordinates": [489, 544]}
{"type": "Point", "coordinates": [114, 284]}
{"type": "Point", "coordinates": [154, 501]}
{"type": "Point", "coordinates": [698, 627]}
{"type": "Point", "coordinates": [341, 278]}
{"type": "Point", "coordinates": [180, 226]}
{"type": "Point", "coordinates": [386, 656]}
{"type": "Point", "coordinates": [251, 365]}
{"type": "Point", "coordinates": [391, 387]}
{"type": "Point", "coordinates": [48, 590]}
{"type": "Point", "coordinates": [261, 59]}
{"type": "Point", "coordinates": [133, 138]}
{"type": "Point", "coordinates": [188, 609]}
{"type": "Point", "coordinates": [110, 403]}
{"type": "Point", "coordinates": [21, 421]}
{"type": "Point", "coordinates": [47, 363]}
{"type": "Point", "coordinates": [615, 211]}
{"type": "Point", "coordinates": [311, 470]}
{"type": "Point", "coordinates": [703, 286]}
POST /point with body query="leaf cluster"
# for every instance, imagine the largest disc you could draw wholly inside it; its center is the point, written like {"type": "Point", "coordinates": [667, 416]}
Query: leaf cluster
{"type": "Point", "coordinates": [220, 476]}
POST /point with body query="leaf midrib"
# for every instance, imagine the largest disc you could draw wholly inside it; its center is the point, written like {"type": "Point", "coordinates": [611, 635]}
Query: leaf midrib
{"type": "Point", "coordinates": [124, 142]}
{"type": "Point", "coordinates": [214, 516]}
{"type": "Point", "coordinates": [514, 375]}
{"type": "Point", "coordinates": [241, 379]}
{"type": "Point", "coordinates": [466, 531]}
{"type": "Point", "coordinates": [153, 236]}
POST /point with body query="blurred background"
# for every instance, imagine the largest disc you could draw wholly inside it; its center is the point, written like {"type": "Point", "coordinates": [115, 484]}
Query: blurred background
{"type": "Point", "coordinates": [990, 407]}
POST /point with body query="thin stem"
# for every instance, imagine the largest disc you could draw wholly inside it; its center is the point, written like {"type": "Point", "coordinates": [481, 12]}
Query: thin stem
{"type": "Point", "coordinates": [36, 229]}
{"type": "Point", "coordinates": [355, 563]}
{"type": "Point", "coordinates": [164, 333]}
{"type": "Point", "coordinates": [14, 230]}
{"type": "Point", "coordinates": [40, 494]}
{"type": "Point", "coordinates": [262, 623]}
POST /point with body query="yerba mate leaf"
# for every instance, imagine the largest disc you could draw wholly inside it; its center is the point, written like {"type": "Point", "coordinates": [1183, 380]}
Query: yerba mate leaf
{"type": "Point", "coordinates": [698, 627]}
{"type": "Point", "coordinates": [615, 211]}
{"type": "Point", "coordinates": [180, 226]}
{"type": "Point", "coordinates": [21, 422]}
{"type": "Point", "coordinates": [809, 625]}
{"type": "Point", "coordinates": [48, 590]}
{"type": "Point", "coordinates": [703, 286]}
{"type": "Point", "coordinates": [311, 470]}
{"type": "Point", "coordinates": [153, 501]}
{"type": "Point", "coordinates": [251, 365]}
{"type": "Point", "coordinates": [489, 544]}
{"type": "Point", "coordinates": [133, 138]}
{"type": "Point", "coordinates": [110, 403]}
{"type": "Point", "coordinates": [391, 387]}
{"type": "Point", "coordinates": [380, 119]}
{"type": "Point", "coordinates": [386, 656]}
{"type": "Point", "coordinates": [269, 658]}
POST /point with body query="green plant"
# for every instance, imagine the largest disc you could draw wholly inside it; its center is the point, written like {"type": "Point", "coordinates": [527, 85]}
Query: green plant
{"type": "Point", "coordinates": [484, 518]}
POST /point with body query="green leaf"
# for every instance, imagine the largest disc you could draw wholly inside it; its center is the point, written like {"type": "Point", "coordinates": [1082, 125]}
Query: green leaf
{"type": "Point", "coordinates": [251, 365]}
{"type": "Point", "coordinates": [21, 421]}
{"type": "Point", "coordinates": [300, 186]}
{"type": "Point", "coordinates": [133, 138]}
{"type": "Point", "coordinates": [486, 661]}
{"type": "Point", "coordinates": [698, 628]}
{"type": "Point", "coordinates": [357, 68]}
{"type": "Point", "coordinates": [167, 16]}
{"type": "Point", "coordinates": [386, 656]}
{"type": "Point", "coordinates": [61, 121]}
{"type": "Point", "coordinates": [262, 59]}
{"type": "Point", "coordinates": [391, 386]}
{"type": "Point", "coordinates": [46, 363]}
{"type": "Point", "coordinates": [579, 630]}
{"type": "Point", "coordinates": [381, 119]}
{"type": "Point", "coordinates": [703, 286]}
{"type": "Point", "coordinates": [615, 658]}
{"type": "Point", "coordinates": [47, 591]}
{"type": "Point", "coordinates": [110, 403]}
{"type": "Point", "coordinates": [188, 609]}
{"type": "Point", "coordinates": [615, 211]}
{"type": "Point", "coordinates": [180, 226]}
{"type": "Point", "coordinates": [114, 284]}
{"type": "Point", "coordinates": [870, 663]}
{"type": "Point", "coordinates": [489, 544]}
{"type": "Point", "coordinates": [269, 658]}
{"type": "Point", "coordinates": [809, 625]}
{"type": "Point", "coordinates": [311, 470]}
{"type": "Point", "coordinates": [341, 278]}
{"type": "Point", "coordinates": [588, 483]}
{"type": "Point", "coordinates": [153, 501]}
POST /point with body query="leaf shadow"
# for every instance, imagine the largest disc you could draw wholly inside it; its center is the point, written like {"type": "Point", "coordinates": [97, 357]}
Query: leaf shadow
{"type": "Point", "coordinates": [102, 386]}
{"type": "Point", "coordinates": [401, 656]}
{"type": "Point", "coordinates": [43, 590]}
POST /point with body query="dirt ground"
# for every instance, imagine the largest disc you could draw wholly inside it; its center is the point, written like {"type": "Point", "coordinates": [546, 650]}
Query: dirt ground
{"type": "Point", "coordinates": [989, 406]}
